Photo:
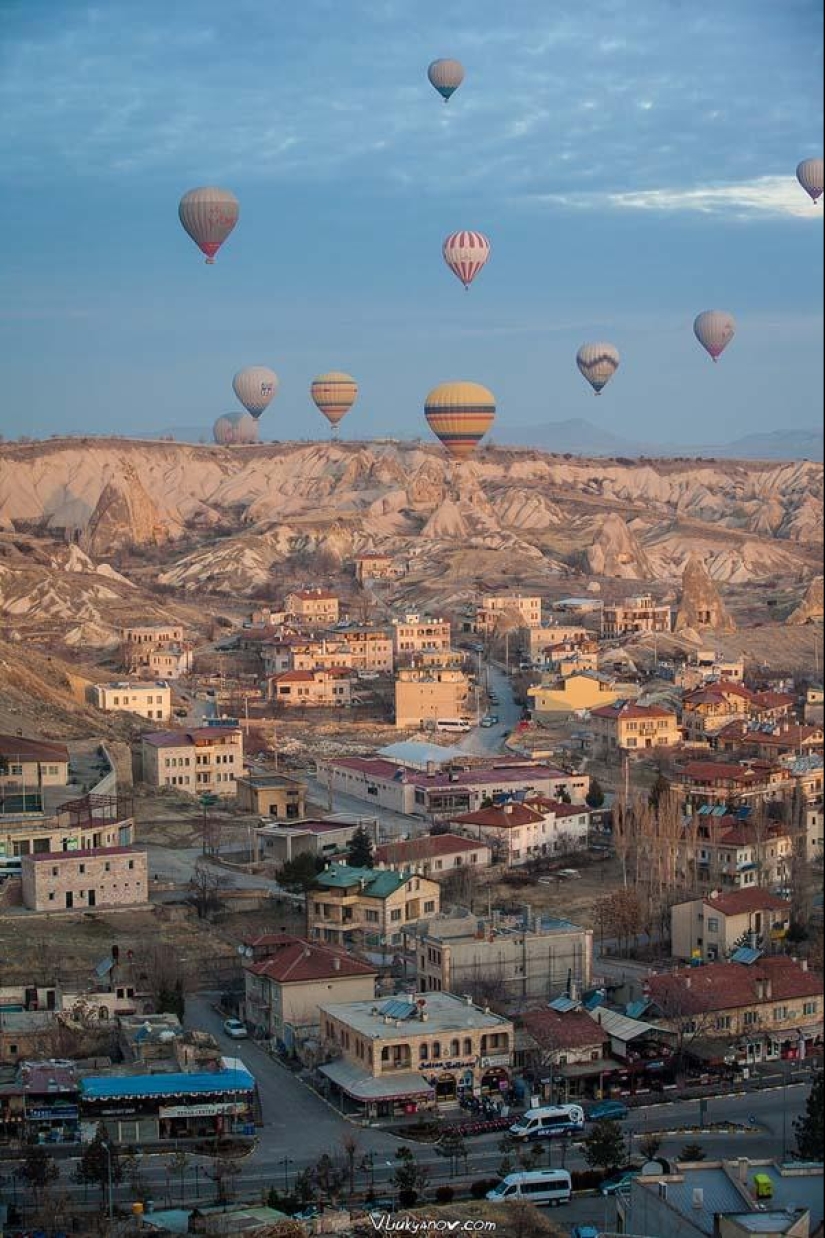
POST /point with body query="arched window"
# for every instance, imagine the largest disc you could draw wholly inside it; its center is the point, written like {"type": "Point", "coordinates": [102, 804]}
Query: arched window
{"type": "Point", "coordinates": [455, 1048]}
{"type": "Point", "coordinates": [436, 1050]}
{"type": "Point", "coordinates": [468, 1046]}
{"type": "Point", "coordinates": [423, 1052]}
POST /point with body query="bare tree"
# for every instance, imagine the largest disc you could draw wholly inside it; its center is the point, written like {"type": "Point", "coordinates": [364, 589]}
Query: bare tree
{"type": "Point", "coordinates": [204, 890]}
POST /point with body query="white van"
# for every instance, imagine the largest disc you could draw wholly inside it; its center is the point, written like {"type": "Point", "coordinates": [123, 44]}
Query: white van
{"type": "Point", "coordinates": [453, 724]}
{"type": "Point", "coordinates": [549, 1122]}
{"type": "Point", "coordinates": [537, 1186]}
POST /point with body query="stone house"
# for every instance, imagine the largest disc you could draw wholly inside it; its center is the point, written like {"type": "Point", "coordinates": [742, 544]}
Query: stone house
{"type": "Point", "coordinates": [363, 906]}
{"type": "Point", "coordinates": [712, 928]}
{"type": "Point", "coordinates": [83, 880]}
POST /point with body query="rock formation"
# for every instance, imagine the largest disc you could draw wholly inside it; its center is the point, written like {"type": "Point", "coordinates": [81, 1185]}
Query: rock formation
{"type": "Point", "coordinates": [123, 516]}
{"type": "Point", "coordinates": [617, 552]}
{"type": "Point", "coordinates": [810, 609]}
{"type": "Point", "coordinates": [701, 605]}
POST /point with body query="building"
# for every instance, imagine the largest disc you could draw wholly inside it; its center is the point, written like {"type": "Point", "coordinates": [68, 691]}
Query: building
{"type": "Point", "coordinates": [730, 851]}
{"type": "Point", "coordinates": [501, 957]}
{"type": "Point", "coordinates": [566, 1052]}
{"type": "Point", "coordinates": [204, 760]}
{"type": "Point", "coordinates": [626, 726]}
{"type": "Point", "coordinates": [765, 1009]}
{"type": "Point", "coordinates": [305, 653]}
{"type": "Point", "coordinates": [444, 791]}
{"type": "Point", "coordinates": [636, 615]}
{"type": "Point", "coordinates": [568, 659]}
{"type": "Point", "coordinates": [814, 709]}
{"type": "Point", "coordinates": [721, 1199]}
{"type": "Point", "coordinates": [726, 782]}
{"type": "Point", "coordinates": [523, 610]}
{"type": "Point", "coordinates": [583, 690]}
{"type": "Point", "coordinates": [712, 928]}
{"type": "Point", "coordinates": [418, 634]}
{"type": "Point", "coordinates": [329, 837]}
{"type": "Point", "coordinates": [707, 666]}
{"type": "Point", "coordinates": [81, 880]}
{"type": "Point", "coordinates": [41, 1104]}
{"type": "Point", "coordinates": [373, 566]}
{"type": "Point", "coordinates": [709, 708]}
{"type": "Point", "coordinates": [432, 1048]}
{"type": "Point", "coordinates": [425, 694]}
{"type": "Point", "coordinates": [535, 640]}
{"type": "Point", "coordinates": [370, 649]}
{"type": "Point", "coordinates": [283, 992]}
{"type": "Point", "coordinates": [313, 606]}
{"type": "Point", "coordinates": [433, 855]}
{"type": "Point", "coordinates": [367, 906]}
{"type": "Point", "coordinates": [750, 739]}
{"type": "Point", "coordinates": [272, 795]}
{"type": "Point", "coordinates": [27, 765]}
{"type": "Point", "coordinates": [148, 700]}
{"type": "Point", "coordinates": [331, 686]}
{"type": "Point", "coordinates": [520, 831]}
{"type": "Point", "coordinates": [156, 649]}
{"type": "Point", "coordinates": [169, 661]}
{"type": "Point", "coordinates": [88, 822]}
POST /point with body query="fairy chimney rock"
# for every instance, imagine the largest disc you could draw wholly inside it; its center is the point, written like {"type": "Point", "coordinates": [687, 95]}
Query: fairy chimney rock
{"type": "Point", "coordinates": [701, 606]}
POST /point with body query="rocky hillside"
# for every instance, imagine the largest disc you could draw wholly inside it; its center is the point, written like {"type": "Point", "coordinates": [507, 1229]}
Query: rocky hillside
{"type": "Point", "coordinates": [243, 511]}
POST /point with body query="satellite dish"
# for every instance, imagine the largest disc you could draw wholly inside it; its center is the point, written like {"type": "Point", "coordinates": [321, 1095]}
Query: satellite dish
{"type": "Point", "coordinates": [241, 949]}
{"type": "Point", "coordinates": [249, 952]}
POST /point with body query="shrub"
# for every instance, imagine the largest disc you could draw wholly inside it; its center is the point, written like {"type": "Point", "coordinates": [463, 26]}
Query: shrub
{"type": "Point", "coordinates": [481, 1186]}
{"type": "Point", "coordinates": [586, 1179]}
{"type": "Point", "coordinates": [444, 1195]}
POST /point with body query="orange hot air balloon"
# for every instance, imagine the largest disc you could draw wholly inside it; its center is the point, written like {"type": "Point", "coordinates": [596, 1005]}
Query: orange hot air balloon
{"type": "Point", "coordinates": [209, 214]}
{"type": "Point", "coordinates": [459, 415]}
{"type": "Point", "coordinates": [334, 394]}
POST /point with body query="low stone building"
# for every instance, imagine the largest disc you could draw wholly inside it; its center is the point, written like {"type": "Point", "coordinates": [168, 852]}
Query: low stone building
{"type": "Point", "coordinates": [711, 928]}
{"type": "Point", "coordinates": [433, 855]}
{"type": "Point", "coordinates": [28, 764]}
{"type": "Point", "coordinates": [147, 700]}
{"type": "Point", "coordinates": [313, 606]}
{"type": "Point", "coordinates": [282, 842]}
{"type": "Point", "coordinates": [272, 795]}
{"type": "Point", "coordinates": [83, 880]}
{"type": "Point", "coordinates": [634, 616]}
{"type": "Point", "coordinates": [330, 686]}
{"type": "Point", "coordinates": [626, 726]}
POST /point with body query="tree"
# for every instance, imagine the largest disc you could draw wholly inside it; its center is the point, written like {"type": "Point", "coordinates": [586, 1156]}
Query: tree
{"type": "Point", "coordinates": [38, 1169]}
{"type": "Point", "coordinates": [300, 873]}
{"type": "Point", "coordinates": [204, 890]}
{"type": "Point", "coordinates": [409, 1177]}
{"type": "Point", "coordinates": [649, 1145]}
{"type": "Point", "coordinates": [604, 1146]}
{"type": "Point", "coordinates": [808, 1128]}
{"type": "Point", "coordinates": [359, 853]}
{"type": "Point", "coordinates": [692, 1152]}
{"type": "Point", "coordinates": [595, 796]}
{"type": "Point", "coordinates": [163, 974]}
{"type": "Point", "coordinates": [97, 1164]}
{"type": "Point", "coordinates": [328, 1177]}
{"type": "Point", "coordinates": [349, 1143]}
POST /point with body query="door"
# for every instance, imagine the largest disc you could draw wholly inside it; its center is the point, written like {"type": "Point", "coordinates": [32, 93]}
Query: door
{"type": "Point", "coordinates": [69, 899]}
{"type": "Point", "coordinates": [92, 898]}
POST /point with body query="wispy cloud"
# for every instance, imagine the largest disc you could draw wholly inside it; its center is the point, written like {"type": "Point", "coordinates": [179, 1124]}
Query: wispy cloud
{"type": "Point", "coordinates": [766, 195]}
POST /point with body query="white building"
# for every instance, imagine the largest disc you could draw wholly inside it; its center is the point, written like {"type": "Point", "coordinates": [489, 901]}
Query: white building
{"type": "Point", "coordinates": [148, 700]}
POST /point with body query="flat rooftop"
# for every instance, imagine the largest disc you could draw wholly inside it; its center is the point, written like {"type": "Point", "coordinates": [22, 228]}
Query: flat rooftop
{"type": "Point", "coordinates": [445, 1013]}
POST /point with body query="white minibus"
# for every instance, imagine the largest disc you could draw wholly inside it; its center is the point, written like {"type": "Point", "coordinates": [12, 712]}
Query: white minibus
{"type": "Point", "coordinates": [537, 1186]}
{"type": "Point", "coordinates": [452, 724]}
{"type": "Point", "coordinates": [549, 1122]}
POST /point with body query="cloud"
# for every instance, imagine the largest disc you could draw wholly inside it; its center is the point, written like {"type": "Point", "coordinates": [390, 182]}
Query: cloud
{"type": "Point", "coordinates": [764, 196]}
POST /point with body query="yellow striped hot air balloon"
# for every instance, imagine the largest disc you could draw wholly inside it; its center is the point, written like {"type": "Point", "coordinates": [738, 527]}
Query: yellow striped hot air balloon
{"type": "Point", "coordinates": [334, 394]}
{"type": "Point", "coordinates": [459, 415]}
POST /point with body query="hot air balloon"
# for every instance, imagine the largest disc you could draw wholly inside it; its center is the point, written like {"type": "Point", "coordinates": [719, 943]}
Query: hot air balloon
{"type": "Point", "coordinates": [598, 363]}
{"type": "Point", "coordinates": [256, 388]}
{"type": "Point", "coordinates": [334, 394]}
{"type": "Point", "coordinates": [446, 76]}
{"type": "Point", "coordinates": [714, 329]}
{"type": "Point", "coordinates": [234, 429]}
{"type": "Point", "coordinates": [460, 414]}
{"type": "Point", "coordinates": [465, 254]}
{"type": "Point", "coordinates": [209, 215]}
{"type": "Point", "coordinates": [809, 173]}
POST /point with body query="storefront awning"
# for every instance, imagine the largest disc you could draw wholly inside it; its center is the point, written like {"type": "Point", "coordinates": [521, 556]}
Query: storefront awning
{"type": "Point", "coordinates": [590, 1070]}
{"type": "Point", "coordinates": [361, 1086]}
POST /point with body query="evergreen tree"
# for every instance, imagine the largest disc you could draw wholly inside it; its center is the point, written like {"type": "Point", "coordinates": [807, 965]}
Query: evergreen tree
{"type": "Point", "coordinates": [359, 854]}
{"type": "Point", "coordinates": [38, 1168]}
{"type": "Point", "coordinates": [96, 1164]}
{"type": "Point", "coordinates": [692, 1152]}
{"type": "Point", "coordinates": [595, 796]}
{"type": "Point", "coordinates": [604, 1146]}
{"type": "Point", "coordinates": [301, 872]}
{"type": "Point", "coordinates": [808, 1128]}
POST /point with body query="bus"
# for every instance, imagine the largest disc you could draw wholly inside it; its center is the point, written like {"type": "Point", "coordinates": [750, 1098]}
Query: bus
{"type": "Point", "coordinates": [453, 724]}
{"type": "Point", "coordinates": [537, 1186]}
{"type": "Point", "coordinates": [10, 866]}
{"type": "Point", "coordinates": [549, 1122]}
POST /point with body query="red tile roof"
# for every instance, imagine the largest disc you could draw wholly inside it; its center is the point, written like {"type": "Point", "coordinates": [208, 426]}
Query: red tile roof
{"type": "Point", "coordinates": [505, 817]}
{"type": "Point", "coordinates": [774, 700]}
{"type": "Point", "coordinates": [559, 809]}
{"type": "Point", "coordinates": [622, 709]}
{"type": "Point", "coordinates": [184, 739]}
{"type": "Point", "coordinates": [574, 1029]}
{"type": "Point", "coordinates": [730, 986]}
{"type": "Point", "coordinates": [725, 771]}
{"type": "Point", "coordinates": [427, 847]}
{"type": "Point", "coordinates": [336, 672]}
{"type": "Point", "coordinates": [16, 747]}
{"type": "Point", "coordinates": [301, 961]}
{"type": "Point", "coordinates": [738, 902]}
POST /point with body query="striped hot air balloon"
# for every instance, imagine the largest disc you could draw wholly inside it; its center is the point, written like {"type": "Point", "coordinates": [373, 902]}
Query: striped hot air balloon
{"type": "Point", "coordinates": [334, 394]}
{"type": "Point", "coordinates": [209, 215]}
{"type": "Point", "coordinates": [465, 254]}
{"type": "Point", "coordinates": [459, 415]}
{"type": "Point", "coordinates": [446, 76]}
{"type": "Point", "coordinates": [714, 329]}
{"type": "Point", "coordinates": [598, 363]}
{"type": "Point", "coordinates": [809, 173]}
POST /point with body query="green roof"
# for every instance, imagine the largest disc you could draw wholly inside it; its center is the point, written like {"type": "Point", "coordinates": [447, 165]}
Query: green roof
{"type": "Point", "coordinates": [377, 883]}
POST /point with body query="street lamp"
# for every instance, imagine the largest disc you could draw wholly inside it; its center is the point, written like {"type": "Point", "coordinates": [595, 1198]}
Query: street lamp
{"type": "Point", "coordinates": [107, 1148]}
{"type": "Point", "coordinates": [286, 1161]}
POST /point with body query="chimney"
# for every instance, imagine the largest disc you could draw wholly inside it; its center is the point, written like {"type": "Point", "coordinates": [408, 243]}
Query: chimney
{"type": "Point", "coordinates": [803, 963]}
{"type": "Point", "coordinates": [688, 981]}
{"type": "Point", "coordinates": [508, 808]}
{"type": "Point", "coordinates": [468, 1001]}
{"type": "Point", "coordinates": [336, 964]}
{"type": "Point", "coordinates": [662, 1190]}
{"type": "Point", "coordinates": [698, 1198]}
{"type": "Point", "coordinates": [742, 1164]}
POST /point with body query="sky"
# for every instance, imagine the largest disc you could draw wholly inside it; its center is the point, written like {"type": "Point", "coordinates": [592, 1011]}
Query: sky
{"type": "Point", "coordinates": [632, 165]}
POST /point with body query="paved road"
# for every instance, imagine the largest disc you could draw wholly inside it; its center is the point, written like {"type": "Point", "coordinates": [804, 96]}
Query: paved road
{"type": "Point", "coordinates": [487, 741]}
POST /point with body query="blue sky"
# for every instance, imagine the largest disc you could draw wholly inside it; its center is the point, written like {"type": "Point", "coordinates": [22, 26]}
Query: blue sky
{"type": "Point", "coordinates": [632, 165]}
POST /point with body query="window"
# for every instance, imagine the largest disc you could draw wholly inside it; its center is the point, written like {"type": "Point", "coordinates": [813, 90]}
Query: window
{"type": "Point", "coordinates": [81, 868]}
{"type": "Point", "coordinates": [723, 1022]}
{"type": "Point", "coordinates": [429, 905]}
{"type": "Point", "coordinates": [423, 1052]}
{"type": "Point", "coordinates": [750, 1017]}
{"type": "Point", "coordinates": [809, 1008]}
{"type": "Point", "coordinates": [436, 1050]}
{"type": "Point", "coordinates": [780, 1013]}
{"type": "Point", "coordinates": [713, 924]}
{"type": "Point", "coordinates": [395, 915]}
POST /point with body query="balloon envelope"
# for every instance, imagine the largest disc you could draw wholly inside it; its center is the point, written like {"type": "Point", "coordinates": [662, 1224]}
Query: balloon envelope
{"type": "Point", "coordinates": [235, 428]}
{"type": "Point", "coordinates": [465, 254]}
{"type": "Point", "coordinates": [256, 388]}
{"type": "Point", "coordinates": [446, 76]}
{"type": "Point", "coordinates": [334, 394]}
{"type": "Point", "coordinates": [598, 363]}
{"type": "Point", "coordinates": [809, 173]}
{"type": "Point", "coordinates": [459, 415]}
{"type": "Point", "coordinates": [209, 214]}
{"type": "Point", "coordinates": [714, 329]}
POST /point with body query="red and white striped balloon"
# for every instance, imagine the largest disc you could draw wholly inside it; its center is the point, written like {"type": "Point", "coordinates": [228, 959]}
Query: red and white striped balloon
{"type": "Point", "coordinates": [465, 254]}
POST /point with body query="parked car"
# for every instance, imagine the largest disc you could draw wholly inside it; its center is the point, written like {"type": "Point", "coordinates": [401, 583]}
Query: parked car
{"type": "Point", "coordinates": [619, 1182]}
{"type": "Point", "coordinates": [612, 1110]}
{"type": "Point", "coordinates": [486, 721]}
{"type": "Point", "coordinates": [569, 874]}
{"type": "Point", "coordinates": [584, 1231]}
{"type": "Point", "coordinates": [235, 1029]}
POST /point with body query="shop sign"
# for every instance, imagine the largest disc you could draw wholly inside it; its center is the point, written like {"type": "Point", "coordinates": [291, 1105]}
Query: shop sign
{"type": "Point", "coordinates": [498, 1059]}
{"type": "Point", "coordinates": [118, 1113]}
{"type": "Point", "coordinates": [452, 1065]}
{"type": "Point", "coordinates": [52, 1115]}
{"type": "Point", "coordinates": [199, 1111]}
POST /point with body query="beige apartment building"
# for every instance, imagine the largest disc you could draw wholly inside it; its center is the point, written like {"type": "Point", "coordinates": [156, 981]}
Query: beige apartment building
{"type": "Point", "coordinates": [363, 906]}
{"type": "Point", "coordinates": [370, 649]}
{"type": "Point", "coordinates": [712, 928]}
{"type": "Point", "coordinates": [432, 1046]}
{"type": "Point", "coordinates": [579, 691]}
{"type": "Point", "coordinates": [27, 764]}
{"type": "Point", "coordinates": [153, 634]}
{"type": "Point", "coordinates": [82, 880]}
{"type": "Point", "coordinates": [313, 606]}
{"type": "Point", "coordinates": [284, 990]}
{"type": "Point", "coordinates": [433, 855]}
{"type": "Point", "coordinates": [426, 694]}
{"type": "Point", "coordinates": [272, 795]}
{"type": "Point", "coordinates": [626, 726]}
{"type": "Point", "coordinates": [494, 607]}
{"type": "Point", "coordinates": [148, 700]}
{"type": "Point", "coordinates": [373, 566]}
{"type": "Point", "coordinates": [202, 760]}
{"type": "Point", "coordinates": [534, 641]}
{"type": "Point", "coordinates": [169, 661]}
{"type": "Point", "coordinates": [417, 634]}
{"type": "Point", "coordinates": [326, 687]}
{"type": "Point", "coordinates": [637, 614]}
{"type": "Point", "coordinates": [83, 824]}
